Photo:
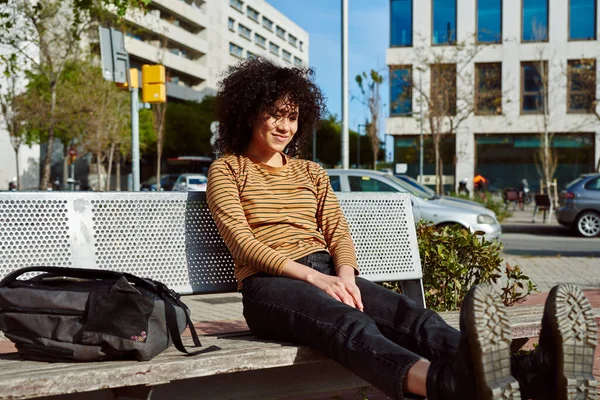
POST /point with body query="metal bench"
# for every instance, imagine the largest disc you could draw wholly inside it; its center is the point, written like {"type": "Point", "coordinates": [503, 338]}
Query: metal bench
{"type": "Point", "coordinates": [171, 237]}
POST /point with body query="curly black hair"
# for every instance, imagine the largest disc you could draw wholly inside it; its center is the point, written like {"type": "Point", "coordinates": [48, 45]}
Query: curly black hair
{"type": "Point", "coordinates": [253, 87]}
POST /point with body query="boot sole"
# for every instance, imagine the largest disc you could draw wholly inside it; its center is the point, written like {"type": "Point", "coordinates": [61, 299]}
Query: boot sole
{"type": "Point", "coordinates": [490, 337]}
{"type": "Point", "coordinates": [574, 329]}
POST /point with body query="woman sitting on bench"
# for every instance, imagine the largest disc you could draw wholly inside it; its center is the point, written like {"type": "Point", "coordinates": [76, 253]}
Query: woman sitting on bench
{"type": "Point", "coordinates": [297, 271]}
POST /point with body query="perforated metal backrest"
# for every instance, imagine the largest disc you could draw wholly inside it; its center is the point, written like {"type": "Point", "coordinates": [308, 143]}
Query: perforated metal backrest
{"type": "Point", "coordinates": [172, 237]}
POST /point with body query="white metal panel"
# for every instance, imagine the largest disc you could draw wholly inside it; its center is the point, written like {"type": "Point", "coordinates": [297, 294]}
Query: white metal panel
{"type": "Point", "coordinates": [171, 237]}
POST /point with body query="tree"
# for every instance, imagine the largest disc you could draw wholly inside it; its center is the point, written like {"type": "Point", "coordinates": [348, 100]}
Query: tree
{"type": "Point", "coordinates": [9, 104]}
{"type": "Point", "coordinates": [371, 98]}
{"type": "Point", "coordinates": [45, 35]}
{"type": "Point", "coordinates": [446, 98]}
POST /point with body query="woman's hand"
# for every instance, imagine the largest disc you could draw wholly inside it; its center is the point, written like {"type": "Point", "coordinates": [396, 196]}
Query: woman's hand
{"type": "Point", "coordinates": [342, 288]}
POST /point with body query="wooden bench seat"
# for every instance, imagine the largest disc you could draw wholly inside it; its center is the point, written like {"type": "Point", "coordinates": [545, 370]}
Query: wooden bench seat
{"type": "Point", "coordinates": [173, 375]}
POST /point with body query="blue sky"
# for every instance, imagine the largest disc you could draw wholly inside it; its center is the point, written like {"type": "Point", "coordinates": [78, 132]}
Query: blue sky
{"type": "Point", "coordinates": [367, 41]}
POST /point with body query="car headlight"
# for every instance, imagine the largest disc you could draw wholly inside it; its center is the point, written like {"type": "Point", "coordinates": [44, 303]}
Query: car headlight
{"type": "Point", "coordinates": [485, 219]}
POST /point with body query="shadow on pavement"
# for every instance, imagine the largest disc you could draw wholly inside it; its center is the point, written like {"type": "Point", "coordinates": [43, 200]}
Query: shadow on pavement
{"type": "Point", "coordinates": [538, 229]}
{"type": "Point", "coordinates": [552, 253]}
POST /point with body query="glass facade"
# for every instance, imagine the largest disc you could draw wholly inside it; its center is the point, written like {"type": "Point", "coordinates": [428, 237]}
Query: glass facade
{"type": "Point", "coordinates": [401, 14]}
{"type": "Point", "coordinates": [506, 159]}
{"type": "Point", "coordinates": [443, 89]}
{"type": "Point", "coordinates": [581, 85]}
{"type": "Point", "coordinates": [532, 97]}
{"type": "Point", "coordinates": [582, 19]}
{"type": "Point", "coordinates": [488, 88]}
{"type": "Point", "coordinates": [489, 21]}
{"type": "Point", "coordinates": [444, 22]}
{"type": "Point", "coordinates": [535, 20]}
{"type": "Point", "coordinates": [401, 91]}
{"type": "Point", "coordinates": [406, 150]}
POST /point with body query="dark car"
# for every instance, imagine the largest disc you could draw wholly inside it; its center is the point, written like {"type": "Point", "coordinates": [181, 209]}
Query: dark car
{"type": "Point", "coordinates": [580, 206]}
{"type": "Point", "coordinates": [166, 183]}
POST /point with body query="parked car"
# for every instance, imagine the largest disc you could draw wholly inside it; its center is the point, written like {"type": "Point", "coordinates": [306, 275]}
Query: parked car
{"type": "Point", "coordinates": [190, 182]}
{"type": "Point", "coordinates": [440, 211]}
{"type": "Point", "coordinates": [166, 183]}
{"type": "Point", "coordinates": [579, 206]}
{"type": "Point", "coordinates": [431, 192]}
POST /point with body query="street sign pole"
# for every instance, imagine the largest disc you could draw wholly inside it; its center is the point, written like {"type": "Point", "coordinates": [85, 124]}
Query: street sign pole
{"type": "Point", "coordinates": [135, 138]}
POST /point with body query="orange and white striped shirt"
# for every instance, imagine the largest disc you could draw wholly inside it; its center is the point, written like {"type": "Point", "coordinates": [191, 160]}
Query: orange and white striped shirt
{"type": "Point", "coordinates": [268, 215]}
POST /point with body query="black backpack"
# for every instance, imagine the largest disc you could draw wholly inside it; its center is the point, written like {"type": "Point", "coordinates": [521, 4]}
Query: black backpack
{"type": "Point", "coordinates": [89, 314]}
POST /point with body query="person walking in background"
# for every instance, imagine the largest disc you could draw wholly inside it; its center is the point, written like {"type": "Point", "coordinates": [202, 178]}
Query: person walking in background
{"type": "Point", "coordinates": [296, 266]}
{"type": "Point", "coordinates": [480, 185]}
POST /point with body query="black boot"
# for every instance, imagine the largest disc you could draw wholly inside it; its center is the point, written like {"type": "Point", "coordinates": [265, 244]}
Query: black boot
{"type": "Point", "coordinates": [481, 368]}
{"type": "Point", "coordinates": [561, 365]}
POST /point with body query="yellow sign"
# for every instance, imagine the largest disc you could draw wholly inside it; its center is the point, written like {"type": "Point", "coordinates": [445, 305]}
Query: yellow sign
{"type": "Point", "coordinates": [153, 84]}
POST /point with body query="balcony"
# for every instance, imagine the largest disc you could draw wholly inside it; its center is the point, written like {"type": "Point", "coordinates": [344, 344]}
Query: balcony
{"type": "Point", "coordinates": [191, 14]}
{"type": "Point", "coordinates": [156, 55]}
{"type": "Point", "coordinates": [162, 27]}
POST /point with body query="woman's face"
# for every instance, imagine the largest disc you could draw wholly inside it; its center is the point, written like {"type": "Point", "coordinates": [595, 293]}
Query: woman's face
{"type": "Point", "coordinates": [273, 130]}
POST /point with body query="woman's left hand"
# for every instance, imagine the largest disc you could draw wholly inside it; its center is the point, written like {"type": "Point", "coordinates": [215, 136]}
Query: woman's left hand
{"type": "Point", "coordinates": [346, 273]}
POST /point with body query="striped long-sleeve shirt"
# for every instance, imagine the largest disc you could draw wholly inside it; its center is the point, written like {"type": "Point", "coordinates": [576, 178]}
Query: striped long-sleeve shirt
{"type": "Point", "coordinates": [268, 215]}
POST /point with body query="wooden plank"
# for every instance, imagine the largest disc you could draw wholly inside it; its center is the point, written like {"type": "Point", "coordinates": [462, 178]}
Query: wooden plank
{"type": "Point", "coordinates": [29, 379]}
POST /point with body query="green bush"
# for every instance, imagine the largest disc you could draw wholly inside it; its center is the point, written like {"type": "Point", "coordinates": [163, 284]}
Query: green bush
{"type": "Point", "coordinates": [454, 259]}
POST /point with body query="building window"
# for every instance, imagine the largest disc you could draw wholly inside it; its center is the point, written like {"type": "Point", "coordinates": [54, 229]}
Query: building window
{"type": "Point", "coordinates": [297, 62]}
{"type": "Point", "coordinates": [488, 89]}
{"type": "Point", "coordinates": [244, 32]}
{"type": "Point", "coordinates": [292, 40]}
{"type": "Point", "coordinates": [582, 19]}
{"type": "Point", "coordinates": [401, 90]}
{"type": "Point", "coordinates": [237, 4]}
{"type": "Point", "coordinates": [532, 87]}
{"type": "Point", "coordinates": [249, 54]}
{"type": "Point", "coordinates": [301, 45]}
{"type": "Point", "coordinates": [281, 32]}
{"type": "Point", "coordinates": [260, 41]}
{"type": "Point", "coordinates": [236, 50]}
{"type": "Point", "coordinates": [267, 23]}
{"type": "Point", "coordinates": [252, 13]}
{"type": "Point", "coordinates": [443, 89]}
{"type": "Point", "coordinates": [273, 48]}
{"type": "Point", "coordinates": [231, 25]}
{"type": "Point", "coordinates": [489, 21]}
{"type": "Point", "coordinates": [401, 14]}
{"type": "Point", "coordinates": [581, 86]}
{"type": "Point", "coordinates": [286, 55]}
{"type": "Point", "coordinates": [535, 20]}
{"type": "Point", "coordinates": [444, 22]}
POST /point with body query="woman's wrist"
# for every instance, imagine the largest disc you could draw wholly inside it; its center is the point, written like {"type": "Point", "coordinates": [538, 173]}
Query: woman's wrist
{"type": "Point", "coordinates": [346, 271]}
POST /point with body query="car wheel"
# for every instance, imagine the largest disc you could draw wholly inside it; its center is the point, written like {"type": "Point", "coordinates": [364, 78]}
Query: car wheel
{"type": "Point", "coordinates": [588, 224]}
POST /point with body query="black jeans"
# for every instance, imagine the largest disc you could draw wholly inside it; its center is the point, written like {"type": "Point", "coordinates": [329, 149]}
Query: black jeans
{"type": "Point", "coordinates": [379, 345]}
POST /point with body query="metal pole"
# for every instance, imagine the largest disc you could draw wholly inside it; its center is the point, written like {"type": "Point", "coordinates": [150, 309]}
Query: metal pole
{"type": "Point", "coordinates": [135, 139]}
{"type": "Point", "coordinates": [420, 179]}
{"type": "Point", "coordinates": [345, 133]}
{"type": "Point", "coordinates": [358, 148]}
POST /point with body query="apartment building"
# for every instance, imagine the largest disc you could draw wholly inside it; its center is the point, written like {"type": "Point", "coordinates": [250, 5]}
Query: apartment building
{"type": "Point", "coordinates": [518, 67]}
{"type": "Point", "coordinates": [197, 40]}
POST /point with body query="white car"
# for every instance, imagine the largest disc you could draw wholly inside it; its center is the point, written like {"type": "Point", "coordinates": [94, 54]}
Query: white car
{"type": "Point", "coordinates": [190, 182]}
{"type": "Point", "coordinates": [440, 211]}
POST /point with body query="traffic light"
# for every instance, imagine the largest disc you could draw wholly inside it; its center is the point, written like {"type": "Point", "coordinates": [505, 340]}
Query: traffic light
{"type": "Point", "coordinates": [153, 84]}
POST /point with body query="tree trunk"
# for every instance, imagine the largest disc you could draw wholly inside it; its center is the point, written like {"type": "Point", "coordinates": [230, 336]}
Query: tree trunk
{"type": "Point", "coordinates": [48, 158]}
{"type": "Point", "coordinates": [111, 152]}
{"type": "Point", "coordinates": [161, 113]}
{"type": "Point", "coordinates": [18, 172]}
{"type": "Point", "coordinates": [118, 169]}
{"type": "Point", "coordinates": [65, 174]}
{"type": "Point", "coordinates": [436, 149]}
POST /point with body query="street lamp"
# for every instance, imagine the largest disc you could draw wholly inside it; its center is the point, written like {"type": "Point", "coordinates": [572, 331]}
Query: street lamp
{"type": "Point", "coordinates": [421, 72]}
